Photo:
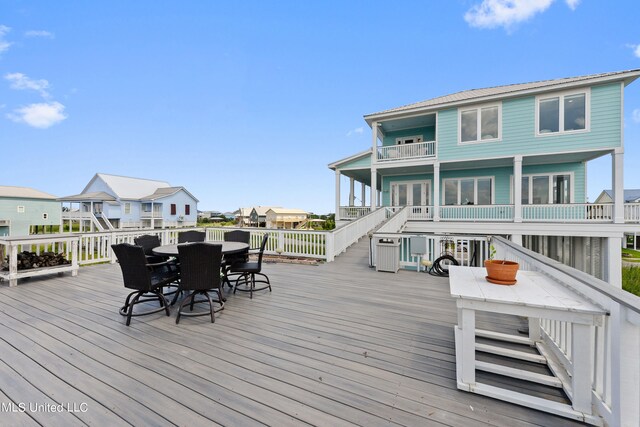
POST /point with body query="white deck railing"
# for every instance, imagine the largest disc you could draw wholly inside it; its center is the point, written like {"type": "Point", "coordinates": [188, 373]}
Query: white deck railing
{"type": "Point", "coordinates": [341, 238]}
{"type": "Point", "coordinates": [576, 212]}
{"type": "Point", "coordinates": [615, 372]}
{"type": "Point", "coordinates": [476, 213]}
{"type": "Point", "coordinates": [353, 212]}
{"type": "Point", "coordinates": [416, 150]}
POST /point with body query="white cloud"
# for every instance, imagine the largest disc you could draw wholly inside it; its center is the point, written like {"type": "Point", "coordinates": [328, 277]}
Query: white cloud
{"type": "Point", "coordinates": [506, 13]}
{"type": "Point", "coordinates": [39, 33]}
{"type": "Point", "coordinates": [358, 131]}
{"type": "Point", "coordinates": [635, 115]}
{"type": "Point", "coordinates": [42, 115]}
{"type": "Point", "coordinates": [4, 45]}
{"type": "Point", "coordinates": [635, 48]}
{"type": "Point", "coordinates": [20, 81]}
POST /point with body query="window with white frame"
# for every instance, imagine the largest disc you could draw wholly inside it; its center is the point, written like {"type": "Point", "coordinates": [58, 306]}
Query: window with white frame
{"type": "Point", "coordinates": [127, 208]}
{"type": "Point", "coordinates": [408, 140]}
{"type": "Point", "coordinates": [45, 215]}
{"type": "Point", "coordinates": [468, 191]}
{"type": "Point", "coordinates": [20, 209]}
{"type": "Point", "coordinates": [560, 113]}
{"type": "Point", "coordinates": [547, 189]}
{"type": "Point", "coordinates": [480, 123]}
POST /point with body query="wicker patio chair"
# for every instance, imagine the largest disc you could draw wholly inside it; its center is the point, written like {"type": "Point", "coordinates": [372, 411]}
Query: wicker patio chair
{"type": "Point", "coordinates": [230, 259]}
{"type": "Point", "coordinates": [191, 236]}
{"type": "Point", "coordinates": [200, 274]}
{"type": "Point", "coordinates": [147, 279]}
{"type": "Point", "coordinates": [249, 270]}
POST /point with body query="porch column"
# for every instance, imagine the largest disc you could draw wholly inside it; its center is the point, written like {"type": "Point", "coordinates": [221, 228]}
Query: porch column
{"type": "Point", "coordinates": [436, 191]}
{"type": "Point", "coordinates": [374, 189]}
{"type": "Point", "coordinates": [618, 185]}
{"type": "Point", "coordinates": [153, 218]}
{"type": "Point", "coordinates": [337, 195]}
{"type": "Point", "coordinates": [363, 196]}
{"type": "Point", "coordinates": [374, 143]}
{"type": "Point", "coordinates": [351, 192]}
{"type": "Point", "coordinates": [612, 261]}
{"type": "Point", "coordinates": [517, 189]}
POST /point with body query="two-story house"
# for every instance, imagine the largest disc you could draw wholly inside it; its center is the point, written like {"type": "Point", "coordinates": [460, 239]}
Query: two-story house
{"type": "Point", "coordinates": [117, 202]}
{"type": "Point", "coordinates": [508, 160]}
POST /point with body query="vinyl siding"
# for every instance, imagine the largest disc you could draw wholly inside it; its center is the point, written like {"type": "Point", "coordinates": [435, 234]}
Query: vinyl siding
{"type": "Point", "coordinates": [33, 210]}
{"type": "Point", "coordinates": [428, 134]}
{"type": "Point", "coordinates": [361, 163]}
{"type": "Point", "coordinates": [518, 129]}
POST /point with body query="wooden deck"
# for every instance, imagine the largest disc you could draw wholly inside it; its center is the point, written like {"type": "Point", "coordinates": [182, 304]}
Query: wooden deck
{"type": "Point", "coordinates": [332, 345]}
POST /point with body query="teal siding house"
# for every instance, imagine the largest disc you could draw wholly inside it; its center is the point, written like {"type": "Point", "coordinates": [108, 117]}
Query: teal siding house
{"type": "Point", "coordinates": [23, 207]}
{"type": "Point", "coordinates": [510, 153]}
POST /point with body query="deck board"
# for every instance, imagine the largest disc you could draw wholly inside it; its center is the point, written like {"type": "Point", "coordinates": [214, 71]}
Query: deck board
{"type": "Point", "coordinates": [335, 344]}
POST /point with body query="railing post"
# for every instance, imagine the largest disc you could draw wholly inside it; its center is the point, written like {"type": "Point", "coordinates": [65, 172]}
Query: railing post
{"type": "Point", "coordinates": [329, 243]}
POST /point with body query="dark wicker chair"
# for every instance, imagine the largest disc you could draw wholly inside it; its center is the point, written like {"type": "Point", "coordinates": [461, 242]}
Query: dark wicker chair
{"type": "Point", "coordinates": [200, 274]}
{"type": "Point", "coordinates": [191, 236]}
{"type": "Point", "coordinates": [148, 242]}
{"type": "Point", "coordinates": [249, 270]}
{"type": "Point", "coordinates": [235, 236]}
{"type": "Point", "coordinates": [147, 280]}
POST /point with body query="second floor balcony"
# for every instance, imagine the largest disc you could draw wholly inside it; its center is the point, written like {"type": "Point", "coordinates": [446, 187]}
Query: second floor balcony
{"type": "Point", "coordinates": [416, 150]}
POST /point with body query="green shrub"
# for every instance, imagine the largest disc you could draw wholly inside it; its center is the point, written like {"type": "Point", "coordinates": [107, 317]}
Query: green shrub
{"type": "Point", "coordinates": [631, 280]}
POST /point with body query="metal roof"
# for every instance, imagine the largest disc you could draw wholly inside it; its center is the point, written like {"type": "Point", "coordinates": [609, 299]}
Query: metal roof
{"type": "Point", "coordinates": [95, 195]}
{"type": "Point", "coordinates": [479, 95]}
{"type": "Point", "coordinates": [129, 188]}
{"type": "Point", "coordinates": [166, 191]}
{"type": "Point", "coordinates": [24, 193]}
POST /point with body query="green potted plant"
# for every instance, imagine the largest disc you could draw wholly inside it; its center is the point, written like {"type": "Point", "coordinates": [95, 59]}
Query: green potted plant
{"type": "Point", "coordinates": [500, 271]}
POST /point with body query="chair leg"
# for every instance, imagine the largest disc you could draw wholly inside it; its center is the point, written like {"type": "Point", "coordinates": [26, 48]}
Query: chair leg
{"type": "Point", "coordinates": [130, 312]}
{"type": "Point", "coordinates": [210, 306]}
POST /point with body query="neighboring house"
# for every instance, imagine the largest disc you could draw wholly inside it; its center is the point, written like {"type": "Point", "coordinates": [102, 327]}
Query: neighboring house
{"type": "Point", "coordinates": [508, 160]}
{"type": "Point", "coordinates": [243, 216]}
{"type": "Point", "coordinates": [286, 218]}
{"type": "Point", "coordinates": [23, 207]}
{"type": "Point", "coordinates": [630, 196]}
{"type": "Point", "coordinates": [117, 202]}
{"type": "Point", "coordinates": [258, 216]}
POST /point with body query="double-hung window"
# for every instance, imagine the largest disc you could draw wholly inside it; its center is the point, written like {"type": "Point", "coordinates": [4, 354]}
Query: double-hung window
{"type": "Point", "coordinates": [480, 124]}
{"type": "Point", "coordinates": [562, 113]}
{"type": "Point", "coordinates": [468, 191]}
{"type": "Point", "coordinates": [127, 208]}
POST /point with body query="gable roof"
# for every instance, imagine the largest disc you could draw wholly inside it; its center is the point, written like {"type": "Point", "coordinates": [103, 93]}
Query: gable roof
{"type": "Point", "coordinates": [630, 195]}
{"type": "Point", "coordinates": [288, 211]}
{"type": "Point", "coordinates": [125, 187]}
{"type": "Point", "coordinates": [166, 191]}
{"type": "Point", "coordinates": [262, 210]}
{"type": "Point", "coordinates": [24, 193]}
{"type": "Point", "coordinates": [486, 94]}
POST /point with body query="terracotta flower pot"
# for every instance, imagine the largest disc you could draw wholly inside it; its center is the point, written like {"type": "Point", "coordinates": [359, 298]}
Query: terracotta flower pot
{"type": "Point", "coordinates": [501, 272]}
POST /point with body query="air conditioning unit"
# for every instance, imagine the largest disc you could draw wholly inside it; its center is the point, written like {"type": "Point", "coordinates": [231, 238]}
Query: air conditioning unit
{"type": "Point", "coordinates": [5, 222]}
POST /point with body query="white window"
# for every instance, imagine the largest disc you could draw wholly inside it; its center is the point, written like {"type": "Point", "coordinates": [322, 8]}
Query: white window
{"type": "Point", "coordinates": [468, 191]}
{"type": "Point", "coordinates": [547, 188]}
{"type": "Point", "coordinates": [45, 215]}
{"type": "Point", "coordinates": [127, 208]}
{"type": "Point", "coordinates": [408, 140]}
{"type": "Point", "coordinates": [20, 209]}
{"type": "Point", "coordinates": [562, 113]}
{"type": "Point", "coordinates": [480, 123]}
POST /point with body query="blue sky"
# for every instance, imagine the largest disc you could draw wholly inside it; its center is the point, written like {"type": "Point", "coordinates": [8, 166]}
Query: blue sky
{"type": "Point", "coordinates": [245, 103]}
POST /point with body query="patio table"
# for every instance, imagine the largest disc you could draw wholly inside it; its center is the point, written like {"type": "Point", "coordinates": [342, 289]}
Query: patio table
{"type": "Point", "coordinates": [535, 296]}
{"type": "Point", "coordinates": [227, 248]}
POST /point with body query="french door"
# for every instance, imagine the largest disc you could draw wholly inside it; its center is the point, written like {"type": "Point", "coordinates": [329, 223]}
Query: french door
{"type": "Point", "coordinates": [410, 193]}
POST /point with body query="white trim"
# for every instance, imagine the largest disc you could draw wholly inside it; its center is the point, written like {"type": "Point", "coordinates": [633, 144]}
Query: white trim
{"type": "Point", "coordinates": [475, 188]}
{"type": "Point", "coordinates": [425, 191]}
{"type": "Point", "coordinates": [549, 175]}
{"type": "Point", "coordinates": [478, 109]}
{"type": "Point", "coordinates": [561, 96]}
{"type": "Point", "coordinates": [20, 209]}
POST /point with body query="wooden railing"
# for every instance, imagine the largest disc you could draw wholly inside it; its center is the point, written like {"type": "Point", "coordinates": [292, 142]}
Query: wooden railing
{"type": "Point", "coordinates": [476, 213]}
{"type": "Point", "coordinates": [353, 212]}
{"type": "Point", "coordinates": [615, 370]}
{"type": "Point", "coordinates": [341, 238]}
{"type": "Point", "coordinates": [416, 150]}
{"type": "Point", "coordinates": [575, 212]}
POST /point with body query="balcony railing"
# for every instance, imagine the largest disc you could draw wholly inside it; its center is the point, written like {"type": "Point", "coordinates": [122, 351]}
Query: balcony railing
{"type": "Point", "coordinates": [151, 215]}
{"type": "Point", "coordinates": [416, 150]}
{"type": "Point", "coordinates": [575, 212]}
{"type": "Point", "coordinates": [353, 212]}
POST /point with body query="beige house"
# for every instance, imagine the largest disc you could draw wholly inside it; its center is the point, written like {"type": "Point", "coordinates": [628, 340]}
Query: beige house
{"type": "Point", "coordinates": [286, 218]}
